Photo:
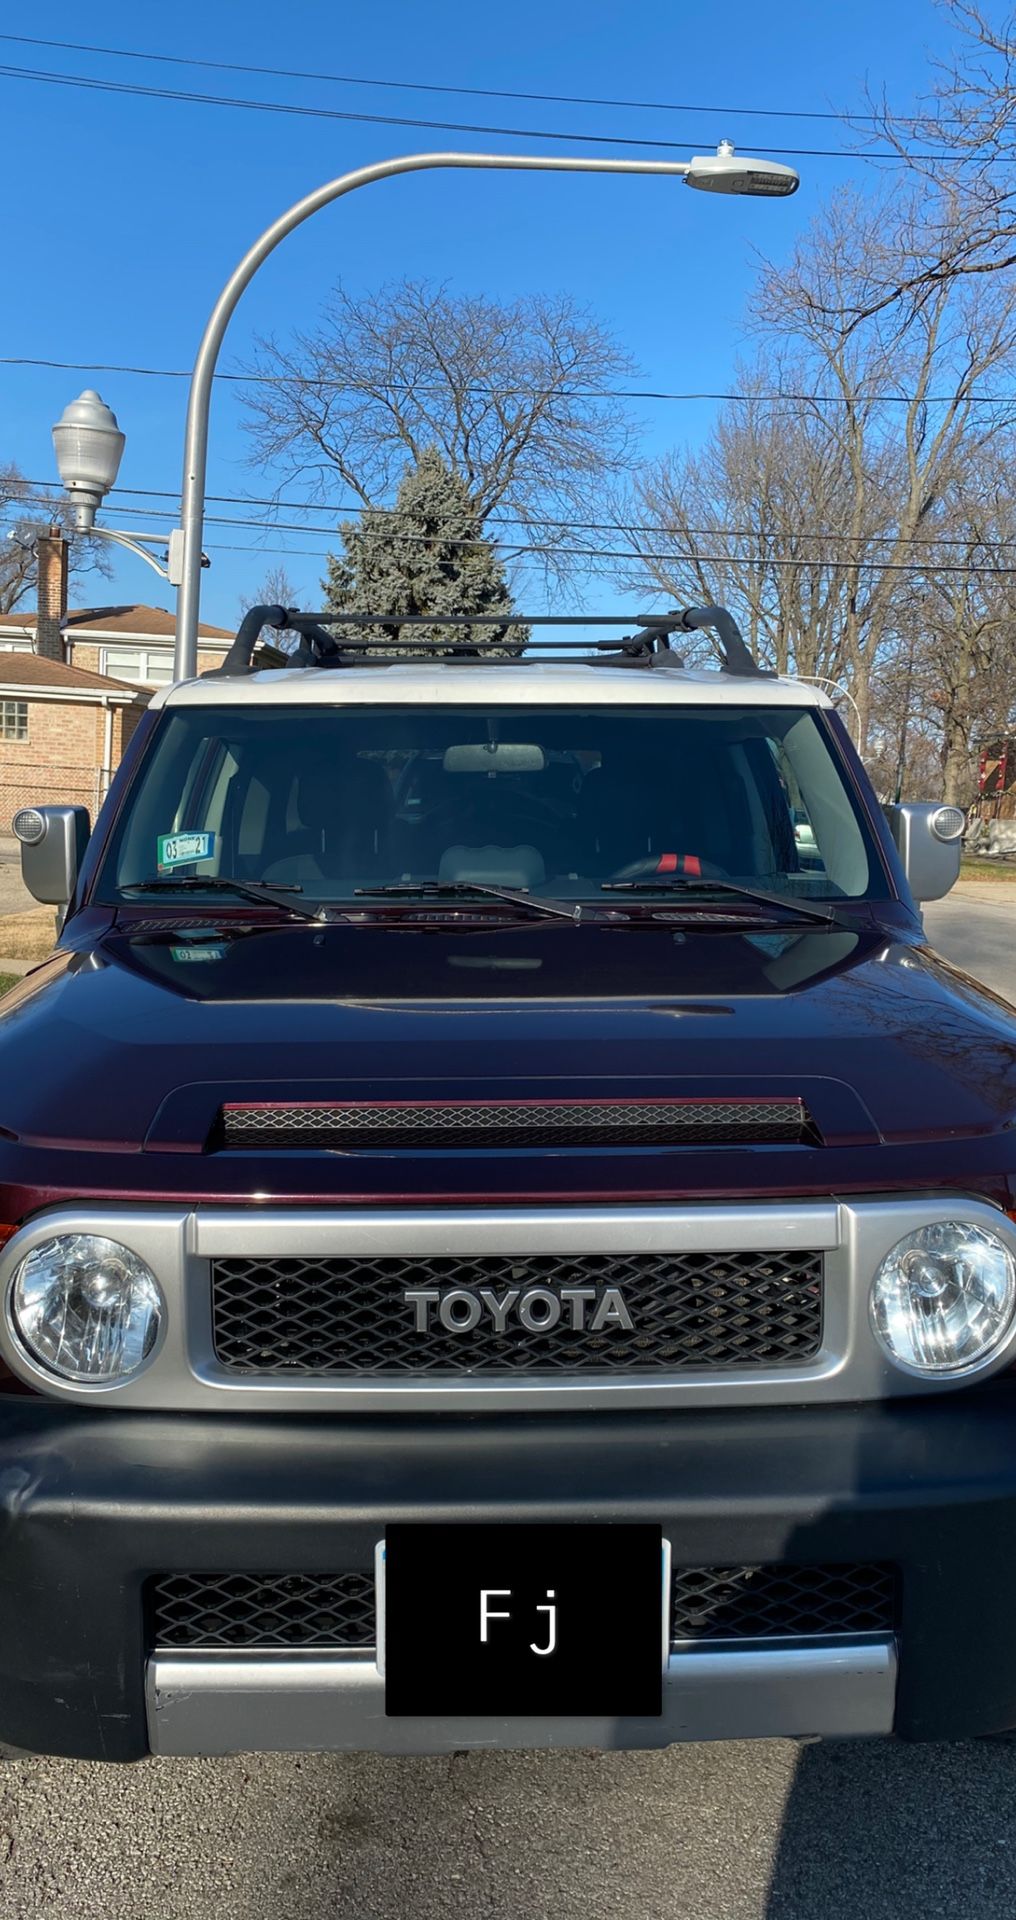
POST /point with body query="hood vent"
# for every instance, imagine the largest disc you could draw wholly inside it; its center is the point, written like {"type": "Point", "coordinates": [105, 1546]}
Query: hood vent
{"type": "Point", "coordinates": [367, 1126]}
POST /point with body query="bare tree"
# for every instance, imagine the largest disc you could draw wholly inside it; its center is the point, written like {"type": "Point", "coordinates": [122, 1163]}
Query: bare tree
{"type": "Point", "coordinates": [960, 145]}
{"type": "Point", "coordinates": [838, 485]}
{"type": "Point", "coordinates": [517, 397]}
{"type": "Point", "coordinates": [755, 520]}
{"type": "Point", "coordinates": [952, 674]}
{"type": "Point", "coordinates": [24, 511]}
{"type": "Point", "coordinates": [276, 590]}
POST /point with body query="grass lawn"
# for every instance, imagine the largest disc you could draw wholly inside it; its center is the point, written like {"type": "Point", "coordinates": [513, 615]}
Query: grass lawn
{"type": "Point", "coordinates": [7, 980]}
{"type": "Point", "coordinates": [1001, 870]}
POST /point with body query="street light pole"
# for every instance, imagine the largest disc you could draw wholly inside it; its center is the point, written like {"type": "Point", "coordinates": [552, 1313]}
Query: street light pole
{"type": "Point", "coordinates": [719, 173]}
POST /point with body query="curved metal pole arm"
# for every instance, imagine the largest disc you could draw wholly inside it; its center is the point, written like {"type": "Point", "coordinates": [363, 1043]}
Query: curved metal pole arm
{"type": "Point", "coordinates": [133, 545]}
{"type": "Point", "coordinates": [831, 686]}
{"type": "Point", "coordinates": [199, 401]}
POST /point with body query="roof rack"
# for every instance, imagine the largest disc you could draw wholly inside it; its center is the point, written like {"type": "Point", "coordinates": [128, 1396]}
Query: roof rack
{"type": "Point", "coordinates": [647, 645]}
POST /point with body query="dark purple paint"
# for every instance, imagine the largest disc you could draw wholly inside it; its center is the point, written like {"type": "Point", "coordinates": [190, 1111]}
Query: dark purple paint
{"type": "Point", "coordinates": [118, 1054]}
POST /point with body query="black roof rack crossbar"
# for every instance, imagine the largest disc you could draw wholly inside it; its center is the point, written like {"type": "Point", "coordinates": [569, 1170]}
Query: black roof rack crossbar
{"type": "Point", "coordinates": [321, 648]}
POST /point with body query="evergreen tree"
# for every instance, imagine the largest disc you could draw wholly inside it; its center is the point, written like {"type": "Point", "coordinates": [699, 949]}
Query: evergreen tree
{"type": "Point", "coordinates": [425, 555]}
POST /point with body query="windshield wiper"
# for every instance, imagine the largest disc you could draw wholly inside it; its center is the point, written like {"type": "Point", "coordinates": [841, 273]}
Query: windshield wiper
{"type": "Point", "coordinates": [262, 892]}
{"type": "Point", "coordinates": [464, 889]}
{"type": "Point", "coordinates": [688, 883]}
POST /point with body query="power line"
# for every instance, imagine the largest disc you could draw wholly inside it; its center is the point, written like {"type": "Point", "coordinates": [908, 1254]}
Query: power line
{"type": "Point", "coordinates": [474, 93]}
{"type": "Point", "coordinates": [44, 77]}
{"type": "Point", "coordinates": [682, 559]}
{"type": "Point", "coordinates": [555, 550]}
{"type": "Point", "coordinates": [44, 497]}
{"type": "Point", "coordinates": [526, 393]}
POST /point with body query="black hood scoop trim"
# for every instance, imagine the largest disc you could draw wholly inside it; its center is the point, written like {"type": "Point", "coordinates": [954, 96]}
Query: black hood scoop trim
{"type": "Point", "coordinates": [365, 1126]}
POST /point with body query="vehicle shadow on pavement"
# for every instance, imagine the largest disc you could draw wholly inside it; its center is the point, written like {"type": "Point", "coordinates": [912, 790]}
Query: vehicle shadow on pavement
{"type": "Point", "coordinates": [755, 1830]}
{"type": "Point", "coordinates": [879, 1828]}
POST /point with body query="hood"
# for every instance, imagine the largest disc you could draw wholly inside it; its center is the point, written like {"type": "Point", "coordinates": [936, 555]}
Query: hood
{"type": "Point", "coordinates": [134, 1045]}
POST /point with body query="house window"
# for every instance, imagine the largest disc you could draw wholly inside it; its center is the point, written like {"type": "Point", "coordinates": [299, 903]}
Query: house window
{"type": "Point", "coordinates": [147, 666]}
{"type": "Point", "coordinates": [13, 719]}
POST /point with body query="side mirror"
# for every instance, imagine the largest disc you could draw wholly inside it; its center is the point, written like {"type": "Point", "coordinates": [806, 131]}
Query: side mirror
{"type": "Point", "coordinates": [930, 844]}
{"type": "Point", "coordinates": [53, 842]}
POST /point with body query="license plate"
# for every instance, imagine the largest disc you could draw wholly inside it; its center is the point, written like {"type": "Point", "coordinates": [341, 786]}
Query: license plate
{"type": "Point", "coordinates": [523, 1620]}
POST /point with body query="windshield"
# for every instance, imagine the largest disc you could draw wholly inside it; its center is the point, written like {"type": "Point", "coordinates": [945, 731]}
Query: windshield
{"type": "Point", "coordinates": [556, 800]}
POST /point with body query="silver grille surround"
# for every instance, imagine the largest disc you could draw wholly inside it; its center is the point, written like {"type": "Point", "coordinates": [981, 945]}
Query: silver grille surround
{"type": "Point", "coordinates": [179, 1243]}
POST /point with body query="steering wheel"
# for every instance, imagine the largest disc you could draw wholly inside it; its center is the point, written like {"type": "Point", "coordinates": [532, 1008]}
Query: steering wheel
{"type": "Point", "coordinates": [649, 868]}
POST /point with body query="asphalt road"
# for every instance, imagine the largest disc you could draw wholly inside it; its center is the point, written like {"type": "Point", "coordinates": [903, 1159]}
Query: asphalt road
{"type": "Point", "coordinates": [978, 934]}
{"type": "Point", "coordinates": [760, 1831]}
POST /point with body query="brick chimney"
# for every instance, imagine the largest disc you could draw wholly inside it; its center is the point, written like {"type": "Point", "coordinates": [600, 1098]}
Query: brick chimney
{"type": "Point", "coordinates": [52, 569]}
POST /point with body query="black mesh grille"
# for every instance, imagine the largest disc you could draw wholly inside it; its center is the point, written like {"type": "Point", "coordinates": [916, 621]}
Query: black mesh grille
{"type": "Point", "coordinates": [262, 1610]}
{"type": "Point", "coordinates": [236, 1611]}
{"type": "Point", "coordinates": [743, 1603]}
{"type": "Point", "coordinates": [564, 1313]}
{"type": "Point", "coordinates": [509, 1123]}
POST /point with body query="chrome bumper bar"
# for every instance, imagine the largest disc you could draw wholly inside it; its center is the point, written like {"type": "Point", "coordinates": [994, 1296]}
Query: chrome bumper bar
{"type": "Point", "coordinates": [335, 1703]}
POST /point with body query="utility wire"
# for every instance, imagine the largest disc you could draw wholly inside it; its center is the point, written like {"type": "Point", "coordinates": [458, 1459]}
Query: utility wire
{"type": "Point", "coordinates": [849, 118]}
{"type": "Point", "coordinates": [475, 93]}
{"type": "Point", "coordinates": [505, 520]}
{"type": "Point", "coordinates": [648, 557]}
{"type": "Point", "coordinates": [42, 495]}
{"type": "Point", "coordinates": [675, 559]}
{"type": "Point", "coordinates": [45, 77]}
{"type": "Point", "coordinates": [525, 393]}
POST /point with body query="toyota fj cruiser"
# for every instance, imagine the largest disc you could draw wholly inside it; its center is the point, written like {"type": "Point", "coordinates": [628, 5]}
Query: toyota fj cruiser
{"type": "Point", "coordinates": [508, 1228]}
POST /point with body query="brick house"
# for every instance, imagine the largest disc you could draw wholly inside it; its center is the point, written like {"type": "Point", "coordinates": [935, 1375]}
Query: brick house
{"type": "Point", "coordinates": [62, 732]}
{"type": "Point", "coordinates": [72, 693]}
{"type": "Point", "coordinates": [133, 643]}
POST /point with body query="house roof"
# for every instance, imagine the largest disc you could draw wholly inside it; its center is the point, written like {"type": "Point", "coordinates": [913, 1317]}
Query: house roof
{"type": "Point", "coordinates": [139, 622]}
{"type": "Point", "coordinates": [27, 671]}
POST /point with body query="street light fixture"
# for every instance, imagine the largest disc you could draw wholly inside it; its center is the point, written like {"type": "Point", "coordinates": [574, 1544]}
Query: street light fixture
{"type": "Point", "coordinates": [89, 447]}
{"type": "Point", "coordinates": [723, 172]}
{"type": "Point", "coordinates": [726, 171]}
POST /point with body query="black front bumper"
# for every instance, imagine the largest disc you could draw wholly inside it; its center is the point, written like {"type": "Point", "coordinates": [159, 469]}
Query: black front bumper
{"type": "Point", "coordinates": [93, 1504]}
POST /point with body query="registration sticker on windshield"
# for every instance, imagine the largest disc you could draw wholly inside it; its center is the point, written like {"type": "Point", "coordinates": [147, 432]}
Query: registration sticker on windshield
{"type": "Point", "coordinates": [180, 849]}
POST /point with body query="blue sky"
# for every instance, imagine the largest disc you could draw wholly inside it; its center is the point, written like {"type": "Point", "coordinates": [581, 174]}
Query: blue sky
{"type": "Point", "coordinates": [123, 215]}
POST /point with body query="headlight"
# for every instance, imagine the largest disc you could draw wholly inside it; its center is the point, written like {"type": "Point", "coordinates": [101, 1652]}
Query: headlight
{"type": "Point", "coordinates": [943, 1298]}
{"type": "Point", "coordinates": [85, 1307]}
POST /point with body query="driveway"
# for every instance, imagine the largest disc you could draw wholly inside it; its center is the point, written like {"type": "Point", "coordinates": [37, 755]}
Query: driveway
{"type": "Point", "coordinates": [14, 897]}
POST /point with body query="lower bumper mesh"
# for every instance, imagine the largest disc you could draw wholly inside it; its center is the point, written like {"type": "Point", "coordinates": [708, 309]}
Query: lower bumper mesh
{"type": "Point", "coordinates": [236, 1612]}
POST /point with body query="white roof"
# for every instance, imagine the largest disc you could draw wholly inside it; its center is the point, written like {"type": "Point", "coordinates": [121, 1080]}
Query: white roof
{"type": "Point", "coordinates": [450, 683]}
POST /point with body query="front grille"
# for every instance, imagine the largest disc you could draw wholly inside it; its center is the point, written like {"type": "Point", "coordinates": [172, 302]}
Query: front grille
{"type": "Point", "coordinates": [782, 1602]}
{"type": "Point", "coordinates": [362, 1125]}
{"type": "Point", "coordinates": [667, 1311]}
{"type": "Point", "coordinates": [262, 1610]}
{"type": "Point", "coordinates": [238, 1611]}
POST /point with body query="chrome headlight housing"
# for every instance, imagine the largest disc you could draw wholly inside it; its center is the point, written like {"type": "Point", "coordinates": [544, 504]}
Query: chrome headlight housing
{"type": "Point", "coordinates": [86, 1308]}
{"type": "Point", "coordinates": [944, 1297]}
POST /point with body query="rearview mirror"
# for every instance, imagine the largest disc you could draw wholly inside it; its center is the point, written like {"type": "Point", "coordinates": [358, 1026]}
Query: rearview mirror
{"type": "Point", "coordinates": [53, 842]}
{"type": "Point", "coordinates": [930, 844]}
{"type": "Point", "coordinates": [493, 756]}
